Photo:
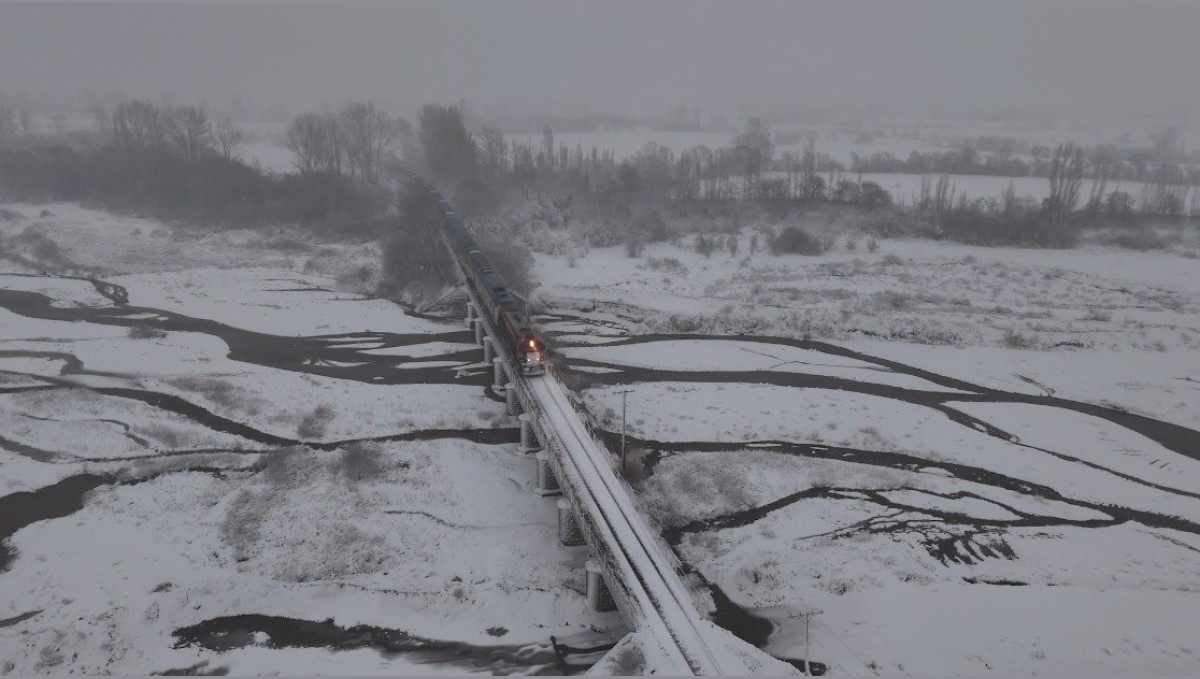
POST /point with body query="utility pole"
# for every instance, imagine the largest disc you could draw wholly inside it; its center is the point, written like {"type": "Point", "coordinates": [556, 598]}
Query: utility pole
{"type": "Point", "coordinates": [807, 649]}
{"type": "Point", "coordinates": [624, 397]}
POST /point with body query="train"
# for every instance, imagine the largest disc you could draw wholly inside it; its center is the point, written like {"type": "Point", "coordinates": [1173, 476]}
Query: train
{"type": "Point", "coordinates": [526, 348]}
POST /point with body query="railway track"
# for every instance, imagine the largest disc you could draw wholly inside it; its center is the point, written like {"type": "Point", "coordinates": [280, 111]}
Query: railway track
{"type": "Point", "coordinates": [645, 573]}
{"type": "Point", "coordinates": [640, 570]}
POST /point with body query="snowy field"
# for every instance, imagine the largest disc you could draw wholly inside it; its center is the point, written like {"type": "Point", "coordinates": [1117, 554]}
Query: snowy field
{"type": "Point", "coordinates": [972, 460]}
{"type": "Point", "coordinates": [217, 456]}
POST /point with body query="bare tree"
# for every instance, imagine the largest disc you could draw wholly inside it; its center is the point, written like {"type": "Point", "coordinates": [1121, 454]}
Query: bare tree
{"type": "Point", "coordinates": [100, 122]}
{"type": "Point", "coordinates": [229, 138]}
{"type": "Point", "coordinates": [367, 133]}
{"type": "Point", "coordinates": [450, 150]}
{"type": "Point", "coordinates": [1066, 180]}
{"type": "Point", "coordinates": [493, 151]}
{"type": "Point", "coordinates": [137, 126]}
{"type": "Point", "coordinates": [410, 146]}
{"type": "Point", "coordinates": [316, 141]}
{"type": "Point", "coordinates": [188, 132]}
{"type": "Point", "coordinates": [548, 147]}
{"type": "Point", "coordinates": [754, 150]}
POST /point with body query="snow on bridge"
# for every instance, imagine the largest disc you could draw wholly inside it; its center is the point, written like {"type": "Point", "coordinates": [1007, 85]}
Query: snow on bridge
{"type": "Point", "coordinates": [639, 571]}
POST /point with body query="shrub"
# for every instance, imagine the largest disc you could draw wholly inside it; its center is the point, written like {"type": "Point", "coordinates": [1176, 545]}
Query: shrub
{"type": "Point", "coordinates": [145, 331]}
{"type": "Point", "coordinates": [872, 245]}
{"type": "Point", "coordinates": [634, 245]}
{"type": "Point", "coordinates": [361, 462]}
{"type": "Point", "coordinates": [670, 264]}
{"type": "Point", "coordinates": [314, 424]}
{"type": "Point", "coordinates": [794, 240]}
{"type": "Point", "coordinates": [511, 259]}
{"type": "Point", "coordinates": [1015, 340]}
{"type": "Point", "coordinates": [413, 260]}
{"type": "Point", "coordinates": [1137, 239]}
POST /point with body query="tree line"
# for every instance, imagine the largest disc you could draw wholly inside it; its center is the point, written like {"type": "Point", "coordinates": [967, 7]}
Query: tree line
{"type": "Point", "coordinates": [175, 163]}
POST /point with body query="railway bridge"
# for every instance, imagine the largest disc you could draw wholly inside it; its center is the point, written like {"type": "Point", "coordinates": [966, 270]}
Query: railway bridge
{"type": "Point", "coordinates": [630, 567]}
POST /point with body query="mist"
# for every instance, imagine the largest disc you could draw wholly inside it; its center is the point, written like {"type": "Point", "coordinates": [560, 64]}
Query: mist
{"type": "Point", "coordinates": [623, 57]}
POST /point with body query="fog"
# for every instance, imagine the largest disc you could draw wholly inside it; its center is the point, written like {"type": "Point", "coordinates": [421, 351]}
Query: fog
{"type": "Point", "coordinates": [626, 57]}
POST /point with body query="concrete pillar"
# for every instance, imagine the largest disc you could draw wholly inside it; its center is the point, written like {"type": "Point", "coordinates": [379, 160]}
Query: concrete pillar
{"type": "Point", "coordinates": [498, 377]}
{"type": "Point", "coordinates": [510, 399]}
{"type": "Point", "coordinates": [478, 330]}
{"type": "Point", "coordinates": [487, 349]}
{"type": "Point", "coordinates": [529, 442]}
{"type": "Point", "coordinates": [598, 596]}
{"type": "Point", "coordinates": [470, 315]}
{"type": "Point", "coordinates": [569, 533]}
{"type": "Point", "coordinates": [546, 483]}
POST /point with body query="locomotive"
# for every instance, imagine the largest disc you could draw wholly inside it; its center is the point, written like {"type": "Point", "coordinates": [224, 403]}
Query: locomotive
{"type": "Point", "coordinates": [526, 348]}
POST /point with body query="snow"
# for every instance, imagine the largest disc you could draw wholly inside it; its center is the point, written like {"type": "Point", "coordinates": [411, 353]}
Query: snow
{"type": "Point", "coordinates": [1005, 631]}
{"type": "Point", "coordinates": [731, 355]}
{"type": "Point", "coordinates": [661, 604]}
{"type": "Point", "coordinates": [932, 546]}
{"type": "Point", "coordinates": [269, 302]}
{"type": "Point", "coordinates": [441, 538]}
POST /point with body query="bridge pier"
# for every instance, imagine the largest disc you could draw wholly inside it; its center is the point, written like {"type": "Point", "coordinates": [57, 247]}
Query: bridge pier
{"type": "Point", "coordinates": [478, 323]}
{"type": "Point", "coordinates": [547, 484]}
{"type": "Point", "coordinates": [499, 379]}
{"type": "Point", "coordinates": [470, 315]}
{"type": "Point", "coordinates": [529, 442]}
{"type": "Point", "coordinates": [487, 349]}
{"type": "Point", "coordinates": [569, 533]}
{"type": "Point", "coordinates": [599, 598]}
{"type": "Point", "coordinates": [510, 398]}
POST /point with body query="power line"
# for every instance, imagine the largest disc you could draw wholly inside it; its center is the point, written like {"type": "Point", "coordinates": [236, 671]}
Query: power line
{"type": "Point", "coordinates": [849, 648]}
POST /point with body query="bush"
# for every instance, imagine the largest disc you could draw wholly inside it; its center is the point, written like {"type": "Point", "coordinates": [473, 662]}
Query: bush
{"type": "Point", "coordinates": [1137, 239]}
{"type": "Point", "coordinates": [794, 240]}
{"type": "Point", "coordinates": [634, 245]}
{"type": "Point", "coordinates": [510, 258]}
{"type": "Point", "coordinates": [669, 264]}
{"type": "Point", "coordinates": [414, 262]}
{"type": "Point", "coordinates": [144, 331]}
{"type": "Point", "coordinates": [361, 462]}
{"type": "Point", "coordinates": [1015, 340]}
{"type": "Point", "coordinates": [313, 425]}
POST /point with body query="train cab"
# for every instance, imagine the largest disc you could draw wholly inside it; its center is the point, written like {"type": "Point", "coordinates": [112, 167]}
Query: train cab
{"type": "Point", "coordinates": [532, 355]}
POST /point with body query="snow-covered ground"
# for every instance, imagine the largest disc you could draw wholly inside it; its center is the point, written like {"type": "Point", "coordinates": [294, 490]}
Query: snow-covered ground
{"type": "Point", "coordinates": [972, 460]}
{"type": "Point", "coordinates": [210, 444]}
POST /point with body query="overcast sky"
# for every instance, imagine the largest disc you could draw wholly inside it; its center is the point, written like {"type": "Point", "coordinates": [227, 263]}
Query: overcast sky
{"type": "Point", "coordinates": [618, 56]}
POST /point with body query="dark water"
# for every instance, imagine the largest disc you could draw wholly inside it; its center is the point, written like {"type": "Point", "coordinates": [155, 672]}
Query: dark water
{"type": "Point", "coordinates": [64, 498]}
{"type": "Point", "coordinates": [950, 537]}
{"type": "Point", "coordinates": [1179, 439]}
{"type": "Point", "coordinates": [237, 631]}
{"type": "Point", "coordinates": [326, 355]}
{"type": "Point", "coordinates": [750, 628]}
